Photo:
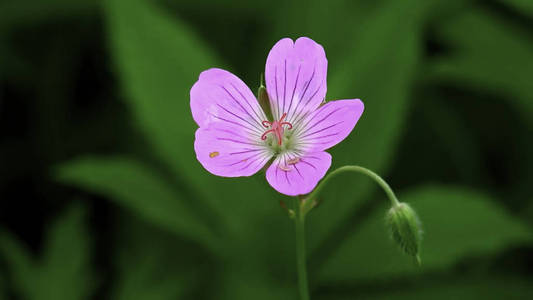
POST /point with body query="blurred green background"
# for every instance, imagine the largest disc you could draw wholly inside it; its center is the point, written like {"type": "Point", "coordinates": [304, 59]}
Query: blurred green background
{"type": "Point", "coordinates": [101, 196]}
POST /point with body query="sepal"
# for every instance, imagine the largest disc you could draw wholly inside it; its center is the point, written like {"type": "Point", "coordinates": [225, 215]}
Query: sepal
{"type": "Point", "coordinates": [264, 101]}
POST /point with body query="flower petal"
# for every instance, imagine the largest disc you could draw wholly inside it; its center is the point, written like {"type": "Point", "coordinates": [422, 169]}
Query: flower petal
{"type": "Point", "coordinates": [229, 152]}
{"type": "Point", "coordinates": [328, 125]}
{"type": "Point", "coordinates": [295, 77]}
{"type": "Point", "coordinates": [292, 175]}
{"type": "Point", "coordinates": [221, 97]}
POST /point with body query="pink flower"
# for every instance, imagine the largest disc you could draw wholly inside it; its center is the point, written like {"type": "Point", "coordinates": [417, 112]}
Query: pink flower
{"type": "Point", "coordinates": [236, 138]}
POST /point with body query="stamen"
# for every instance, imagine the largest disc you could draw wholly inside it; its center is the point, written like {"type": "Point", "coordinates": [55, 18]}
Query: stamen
{"type": "Point", "coordinates": [284, 168]}
{"type": "Point", "coordinates": [264, 136]}
{"type": "Point", "coordinates": [282, 117]}
{"type": "Point", "coordinates": [293, 161]}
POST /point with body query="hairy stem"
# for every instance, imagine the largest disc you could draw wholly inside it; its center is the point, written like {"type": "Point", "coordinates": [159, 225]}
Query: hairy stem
{"type": "Point", "coordinates": [310, 200]}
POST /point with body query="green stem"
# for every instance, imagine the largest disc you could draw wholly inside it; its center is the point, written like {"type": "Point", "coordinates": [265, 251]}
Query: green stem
{"type": "Point", "coordinates": [310, 200]}
{"type": "Point", "coordinates": [303, 206]}
{"type": "Point", "coordinates": [299, 222]}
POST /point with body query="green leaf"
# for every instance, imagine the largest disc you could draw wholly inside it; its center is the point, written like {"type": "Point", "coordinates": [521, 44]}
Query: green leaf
{"type": "Point", "coordinates": [27, 12]}
{"type": "Point", "coordinates": [490, 54]}
{"type": "Point", "coordinates": [159, 59]}
{"type": "Point", "coordinates": [67, 258]}
{"type": "Point", "coordinates": [523, 6]}
{"type": "Point", "coordinates": [143, 251]}
{"type": "Point", "coordinates": [457, 222]}
{"type": "Point", "coordinates": [138, 282]}
{"type": "Point", "coordinates": [19, 261]}
{"type": "Point", "coordinates": [454, 135]}
{"type": "Point", "coordinates": [457, 288]}
{"type": "Point", "coordinates": [3, 293]}
{"type": "Point", "coordinates": [64, 270]}
{"type": "Point", "coordinates": [139, 188]}
{"type": "Point", "coordinates": [253, 284]}
{"type": "Point", "coordinates": [147, 264]}
{"type": "Point", "coordinates": [345, 17]}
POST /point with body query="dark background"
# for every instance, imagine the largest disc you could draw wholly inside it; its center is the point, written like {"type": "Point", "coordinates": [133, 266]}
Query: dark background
{"type": "Point", "coordinates": [101, 196]}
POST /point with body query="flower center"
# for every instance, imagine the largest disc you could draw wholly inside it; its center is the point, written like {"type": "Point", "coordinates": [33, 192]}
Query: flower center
{"type": "Point", "coordinates": [276, 128]}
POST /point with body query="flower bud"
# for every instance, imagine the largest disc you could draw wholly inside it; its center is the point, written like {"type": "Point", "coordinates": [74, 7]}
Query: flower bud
{"type": "Point", "coordinates": [262, 97]}
{"type": "Point", "coordinates": [405, 229]}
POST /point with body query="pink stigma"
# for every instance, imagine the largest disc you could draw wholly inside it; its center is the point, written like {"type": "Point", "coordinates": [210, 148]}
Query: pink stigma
{"type": "Point", "coordinates": [276, 128]}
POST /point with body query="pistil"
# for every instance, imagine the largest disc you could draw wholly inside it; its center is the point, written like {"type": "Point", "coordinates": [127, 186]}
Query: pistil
{"type": "Point", "coordinates": [276, 127]}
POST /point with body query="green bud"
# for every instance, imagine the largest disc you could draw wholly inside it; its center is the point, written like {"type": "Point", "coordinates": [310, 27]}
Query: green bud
{"type": "Point", "coordinates": [262, 97]}
{"type": "Point", "coordinates": [405, 229]}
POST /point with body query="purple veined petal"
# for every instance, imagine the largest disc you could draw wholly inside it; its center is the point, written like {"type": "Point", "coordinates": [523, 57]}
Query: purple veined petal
{"type": "Point", "coordinates": [295, 75]}
{"type": "Point", "coordinates": [229, 152]}
{"type": "Point", "coordinates": [328, 125]}
{"type": "Point", "coordinates": [294, 175]}
{"type": "Point", "coordinates": [221, 97]}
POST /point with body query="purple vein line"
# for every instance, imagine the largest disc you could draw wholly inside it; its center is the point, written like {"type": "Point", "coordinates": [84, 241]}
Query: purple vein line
{"type": "Point", "coordinates": [312, 166]}
{"type": "Point", "coordinates": [314, 94]}
{"type": "Point", "coordinates": [231, 132]}
{"type": "Point", "coordinates": [284, 85]}
{"type": "Point", "coordinates": [242, 107]}
{"type": "Point", "coordinates": [286, 172]}
{"type": "Point", "coordinates": [322, 129]}
{"type": "Point", "coordinates": [305, 91]}
{"type": "Point", "coordinates": [246, 151]}
{"type": "Point", "coordinates": [252, 130]}
{"type": "Point", "coordinates": [238, 117]}
{"type": "Point", "coordinates": [296, 167]}
{"type": "Point", "coordinates": [259, 118]}
{"type": "Point", "coordinates": [277, 96]}
{"type": "Point", "coordinates": [236, 141]}
{"type": "Point", "coordinates": [320, 121]}
{"type": "Point", "coordinates": [293, 91]}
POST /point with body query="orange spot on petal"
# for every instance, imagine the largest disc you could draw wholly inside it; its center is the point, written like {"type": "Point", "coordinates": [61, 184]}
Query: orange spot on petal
{"type": "Point", "coordinates": [214, 154]}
